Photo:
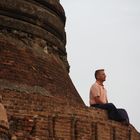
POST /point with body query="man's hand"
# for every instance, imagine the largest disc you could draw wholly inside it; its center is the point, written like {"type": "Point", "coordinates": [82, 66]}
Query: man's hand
{"type": "Point", "coordinates": [98, 100]}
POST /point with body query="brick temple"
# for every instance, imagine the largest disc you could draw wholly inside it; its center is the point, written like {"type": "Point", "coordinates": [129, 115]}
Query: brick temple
{"type": "Point", "coordinates": [38, 100]}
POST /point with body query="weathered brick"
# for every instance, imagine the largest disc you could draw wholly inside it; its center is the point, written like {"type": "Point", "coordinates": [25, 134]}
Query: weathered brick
{"type": "Point", "coordinates": [38, 94]}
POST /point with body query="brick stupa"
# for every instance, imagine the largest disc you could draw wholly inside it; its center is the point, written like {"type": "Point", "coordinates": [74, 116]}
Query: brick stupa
{"type": "Point", "coordinates": [40, 99]}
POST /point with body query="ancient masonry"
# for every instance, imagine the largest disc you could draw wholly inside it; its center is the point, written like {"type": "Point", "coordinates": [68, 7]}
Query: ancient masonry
{"type": "Point", "coordinates": [37, 98]}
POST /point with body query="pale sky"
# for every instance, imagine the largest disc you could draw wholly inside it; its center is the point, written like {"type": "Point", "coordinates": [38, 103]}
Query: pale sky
{"type": "Point", "coordinates": [106, 34]}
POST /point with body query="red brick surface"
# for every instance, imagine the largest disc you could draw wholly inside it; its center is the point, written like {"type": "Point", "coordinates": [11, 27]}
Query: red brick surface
{"type": "Point", "coordinates": [34, 115]}
{"type": "Point", "coordinates": [38, 94]}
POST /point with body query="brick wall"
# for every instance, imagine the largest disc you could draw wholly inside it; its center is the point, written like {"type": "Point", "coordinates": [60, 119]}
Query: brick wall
{"type": "Point", "coordinates": [38, 94]}
{"type": "Point", "coordinates": [33, 69]}
{"type": "Point", "coordinates": [33, 116]}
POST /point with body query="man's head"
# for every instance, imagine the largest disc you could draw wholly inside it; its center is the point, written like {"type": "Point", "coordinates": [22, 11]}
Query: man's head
{"type": "Point", "coordinates": [100, 75]}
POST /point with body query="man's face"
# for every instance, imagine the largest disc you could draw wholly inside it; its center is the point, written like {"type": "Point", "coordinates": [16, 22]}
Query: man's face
{"type": "Point", "coordinates": [101, 76]}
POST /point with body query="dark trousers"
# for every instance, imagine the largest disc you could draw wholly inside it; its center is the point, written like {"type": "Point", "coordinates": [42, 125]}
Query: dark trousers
{"type": "Point", "coordinates": [113, 112]}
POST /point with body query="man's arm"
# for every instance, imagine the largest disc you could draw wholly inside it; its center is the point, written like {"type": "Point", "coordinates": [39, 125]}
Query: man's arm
{"type": "Point", "coordinates": [95, 94]}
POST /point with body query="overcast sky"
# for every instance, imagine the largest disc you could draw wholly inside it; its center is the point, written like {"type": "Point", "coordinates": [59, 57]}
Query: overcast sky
{"type": "Point", "coordinates": [106, 34]}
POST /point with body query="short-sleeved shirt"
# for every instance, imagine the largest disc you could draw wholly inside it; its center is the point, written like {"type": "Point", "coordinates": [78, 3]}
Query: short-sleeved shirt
{"type": "Point", "coordinates": [99, 91]}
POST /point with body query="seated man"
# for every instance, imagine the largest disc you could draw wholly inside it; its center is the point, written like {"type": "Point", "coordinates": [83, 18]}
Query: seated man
{"type": "Point", "coordinates": [98, 98]}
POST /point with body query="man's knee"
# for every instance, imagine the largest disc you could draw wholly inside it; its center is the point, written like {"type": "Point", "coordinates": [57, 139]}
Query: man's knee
{"type": "Point", "coordinates": [122, 109]}
{"type": "Point", "coordinates": [111, 105]}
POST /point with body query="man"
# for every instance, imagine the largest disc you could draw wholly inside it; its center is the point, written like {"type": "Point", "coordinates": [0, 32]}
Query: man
{"type": "Point", "coordinates": [98, 98]}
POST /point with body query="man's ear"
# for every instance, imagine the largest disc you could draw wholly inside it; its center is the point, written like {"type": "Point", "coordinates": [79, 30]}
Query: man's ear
{"type": "Point", "coordinates": [97, 77]}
